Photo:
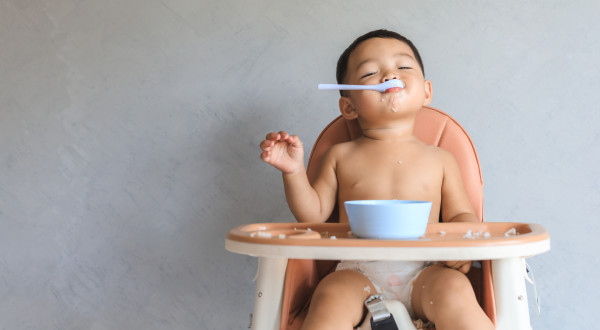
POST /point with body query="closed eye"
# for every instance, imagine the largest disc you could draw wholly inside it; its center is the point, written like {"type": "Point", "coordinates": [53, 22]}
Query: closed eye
{"type": "Point", "coordinates": [404, 68]}
{"type": "Point", "coordinates": [368, 74]}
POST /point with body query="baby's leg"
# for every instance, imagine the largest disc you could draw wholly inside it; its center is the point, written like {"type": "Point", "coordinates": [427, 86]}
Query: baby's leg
{"type": "Point", "coordinates": [338, 301]}
{"type": "Point", "coordinates": [445, 297]}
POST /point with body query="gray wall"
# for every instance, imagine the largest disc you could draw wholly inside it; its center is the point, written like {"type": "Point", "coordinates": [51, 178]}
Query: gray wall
{"type": "Point", "coordinates": [129, 133]}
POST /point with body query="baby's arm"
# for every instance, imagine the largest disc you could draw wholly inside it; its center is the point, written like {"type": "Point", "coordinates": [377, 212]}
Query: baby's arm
{"type": "Point", "coordinates": [308, 203]}
{"type": "Point", "coordinates": [456, 206]}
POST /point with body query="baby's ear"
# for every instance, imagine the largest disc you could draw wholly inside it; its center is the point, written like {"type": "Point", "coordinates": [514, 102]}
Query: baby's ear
{"type": "Point", "coordinates": [347, 109]}
{"type": "Point", "coordinates": [428, 92]}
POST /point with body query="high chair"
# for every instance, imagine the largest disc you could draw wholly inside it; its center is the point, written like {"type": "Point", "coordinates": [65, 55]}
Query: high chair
{"type": "Point", "coordinates": [305, 253]}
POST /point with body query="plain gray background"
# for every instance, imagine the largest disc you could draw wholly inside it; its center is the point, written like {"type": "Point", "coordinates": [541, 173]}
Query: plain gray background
{"type": "Point", "coordinates": [129, 136]}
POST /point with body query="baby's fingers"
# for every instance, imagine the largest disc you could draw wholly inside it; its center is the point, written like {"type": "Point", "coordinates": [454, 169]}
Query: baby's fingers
{"type": "Point", "coordinates": [265, 155]}
{"type": "Point", "coordinates": [282, 136]}
{"type": "Point", "coordinates": [270, 140]}
{"type": "Point", "coordinates": [266, 144]}
{"type": "Point", "coordinates": [272, 136]}
{"type": "Point", "coordinates": [294, 140]}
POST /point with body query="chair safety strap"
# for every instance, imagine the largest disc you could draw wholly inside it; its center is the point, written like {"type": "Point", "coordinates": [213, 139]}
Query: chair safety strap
{"type": "Point", "coordinates": [381, 318]}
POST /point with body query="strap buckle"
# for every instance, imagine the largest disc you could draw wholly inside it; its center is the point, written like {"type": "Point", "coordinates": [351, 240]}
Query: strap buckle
{"type": "Point", "coordinates": [381, 318]}
{"type": "Point", "coordinates": [377, 307]}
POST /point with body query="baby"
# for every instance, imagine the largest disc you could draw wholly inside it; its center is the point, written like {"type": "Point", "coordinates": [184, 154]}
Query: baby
{"type": "Point", "coordinates": [386, 162]}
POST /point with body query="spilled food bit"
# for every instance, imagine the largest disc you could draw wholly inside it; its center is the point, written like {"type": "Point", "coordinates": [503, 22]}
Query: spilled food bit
{"type": "Point", "coordinates": [511, 232]}
{"type": "Point", "coordinates": [475, 235]}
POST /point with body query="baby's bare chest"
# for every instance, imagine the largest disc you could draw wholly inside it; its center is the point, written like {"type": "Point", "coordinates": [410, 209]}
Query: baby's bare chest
{"type": "Point", "coordinates": [390, 176]}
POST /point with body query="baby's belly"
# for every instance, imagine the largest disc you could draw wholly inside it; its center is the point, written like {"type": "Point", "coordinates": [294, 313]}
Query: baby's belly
{"type": "Point", "coordinates": [387, 192]}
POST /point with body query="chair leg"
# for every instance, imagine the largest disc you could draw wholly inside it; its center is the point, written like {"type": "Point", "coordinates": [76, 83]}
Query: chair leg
{"type": "Point", "coordinates": [512, 309]}
{"type": "Point", "coordinates": [269, 293]}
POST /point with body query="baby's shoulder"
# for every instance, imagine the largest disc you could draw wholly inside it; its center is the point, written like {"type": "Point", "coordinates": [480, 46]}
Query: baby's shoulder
{"type": "Point", "coordinates": [440, 154]}
{"type": "Point", "coordinates": [435, 153]}
{"type": "Point", "coordinates": [340, 150]}
{"type": "Point", "coordinates": [343, 147]}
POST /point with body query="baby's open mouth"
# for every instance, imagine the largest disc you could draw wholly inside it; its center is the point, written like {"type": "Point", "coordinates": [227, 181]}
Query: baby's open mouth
{"type": "Point", "coordinates": [393, 89]}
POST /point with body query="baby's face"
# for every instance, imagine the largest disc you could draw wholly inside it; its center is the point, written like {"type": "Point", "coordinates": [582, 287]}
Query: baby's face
{"type": "Point", "coordinates": [380, 59]}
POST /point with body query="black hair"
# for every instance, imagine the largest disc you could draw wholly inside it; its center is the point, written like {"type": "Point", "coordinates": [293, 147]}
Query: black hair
{"type": "Point", "coordinates": [342, 64]}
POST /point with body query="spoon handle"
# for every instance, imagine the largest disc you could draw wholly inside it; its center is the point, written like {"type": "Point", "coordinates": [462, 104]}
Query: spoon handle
{"type": "Point", "coordinates": [348, 87]}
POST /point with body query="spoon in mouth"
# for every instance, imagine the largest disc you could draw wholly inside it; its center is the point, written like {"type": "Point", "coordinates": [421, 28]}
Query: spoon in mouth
{"type": "Point", "coordinates": [393, 83]}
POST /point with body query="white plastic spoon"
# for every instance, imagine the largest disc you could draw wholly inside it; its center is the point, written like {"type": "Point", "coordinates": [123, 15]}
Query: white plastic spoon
{"type": "Point", "coordinates": [394, 83]}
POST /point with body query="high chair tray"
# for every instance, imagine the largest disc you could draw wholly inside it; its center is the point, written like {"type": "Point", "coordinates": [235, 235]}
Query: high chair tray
{"type": "Point", "coordinates": [442, 241]}
{"type": "Point", "coordinates": [505, 244]}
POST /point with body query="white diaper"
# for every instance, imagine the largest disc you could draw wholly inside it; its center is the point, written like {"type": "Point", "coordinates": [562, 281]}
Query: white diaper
{"type": "Point", "coordinates": [392, 279]}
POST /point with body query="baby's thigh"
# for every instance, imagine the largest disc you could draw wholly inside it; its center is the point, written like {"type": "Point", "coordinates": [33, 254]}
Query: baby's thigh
{"type": "Point", "coordinates": [440, 284]}
{"type": "Point", "coordinates": [346, 284]}
{"type": "Point", "coordinates": [339, 300]}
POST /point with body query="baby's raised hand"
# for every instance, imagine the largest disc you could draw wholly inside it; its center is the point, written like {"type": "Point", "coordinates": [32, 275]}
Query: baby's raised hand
{"type": "Point", "coordinates": [285, 152]}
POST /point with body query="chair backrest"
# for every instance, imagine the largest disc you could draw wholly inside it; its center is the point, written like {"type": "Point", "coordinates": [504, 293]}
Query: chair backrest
{"type": "Point", "coordinates": [432, 126]}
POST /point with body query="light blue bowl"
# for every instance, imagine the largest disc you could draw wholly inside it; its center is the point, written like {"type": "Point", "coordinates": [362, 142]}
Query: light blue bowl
{"type": "Point", "coordinates": [388, 219]}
